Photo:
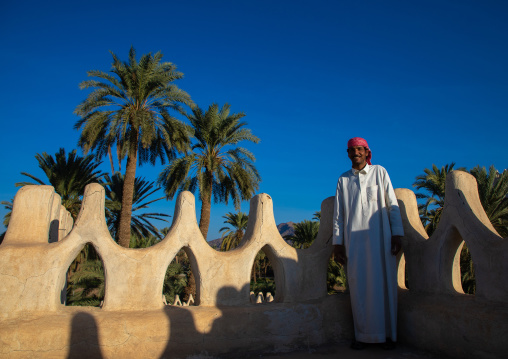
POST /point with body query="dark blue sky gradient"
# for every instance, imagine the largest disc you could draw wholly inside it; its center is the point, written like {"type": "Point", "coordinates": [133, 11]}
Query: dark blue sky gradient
{"type": "Point", "coordinates": [423, 81]}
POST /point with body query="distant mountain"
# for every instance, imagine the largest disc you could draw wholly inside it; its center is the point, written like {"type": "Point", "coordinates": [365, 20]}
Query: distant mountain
{"type": "Point", "coordinates": [215, 243]}
{"type": "Point", "coordinates": [285, 229]}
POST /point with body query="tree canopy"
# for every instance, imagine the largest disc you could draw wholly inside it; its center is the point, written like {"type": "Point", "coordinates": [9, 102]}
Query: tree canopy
{"type": "Point", "coordinates": [141, 225]}
{"type": "Point", "coordinates": [493, 193]}
{"type": "Point", "coordinates": [216, 167]}
{"type": "Point", "coordinates": [433, 181]}
{"type": "Point", "coordinates": [130, 107]}
{"type": "Point", "coordinates": [231, 236]}
{"type": "Point", "coordinates": [68, 174]}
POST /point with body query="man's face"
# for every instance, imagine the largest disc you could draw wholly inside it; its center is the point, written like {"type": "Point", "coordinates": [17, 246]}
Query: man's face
{"type": "Point", "coordinates": [358, 156]}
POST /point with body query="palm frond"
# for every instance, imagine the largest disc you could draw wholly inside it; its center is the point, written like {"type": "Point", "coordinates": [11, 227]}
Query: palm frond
{"type": "Point", "coordinates": [141, 225]}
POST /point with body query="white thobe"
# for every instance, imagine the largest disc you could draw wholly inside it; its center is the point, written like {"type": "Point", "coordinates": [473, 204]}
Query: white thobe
{"type": "Point", "coordinates": [366, 215]}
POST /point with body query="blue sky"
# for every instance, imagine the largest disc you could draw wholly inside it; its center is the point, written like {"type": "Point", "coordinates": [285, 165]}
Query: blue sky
{"type": "Point", "coordinates": [423, 81]}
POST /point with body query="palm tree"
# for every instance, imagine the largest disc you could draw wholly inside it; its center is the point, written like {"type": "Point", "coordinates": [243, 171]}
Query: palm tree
{"type": "Point", "coordinates": [232, 236]}
{"type": "Point", "coordinates": [140, 223]}
{"type": "Point", "coordinates": [493, 193]}
{"type": "Point", "coordinates": [68, 174]}
{"type": "Point", "coordinates": [216, 167]}
{"type": "Point", "coordinates": [433, 181]}
{"type": "Point", "coordinates": [264, 282]}
{"type": "Point", "coordinates": [144, 241]}
{"type": "Point", "coordinates": [175, 281]}
{"type": "Point", "coordinates": [86, 285]}
{"type": "Point", "coordinates": [335, 277]}
{"type": "Point", "coordinates": [130, 107]}
{"type": "Point", "coordinates": [8, 206]}
{"type": "Point", "coordinates": [305, 233]}
{"type": "Point", "coordinates": [468, 278]}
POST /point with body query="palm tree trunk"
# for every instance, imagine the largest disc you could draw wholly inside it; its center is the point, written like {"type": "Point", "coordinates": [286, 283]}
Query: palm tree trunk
{"type": "Point", "coordinates": [191, 287]}
{"type": "Point", "coordinates": [124, 230]}
{"type": "Point", "coordinates": [204, 221]}
{"type": "Point", "coordinates": [206, 205]}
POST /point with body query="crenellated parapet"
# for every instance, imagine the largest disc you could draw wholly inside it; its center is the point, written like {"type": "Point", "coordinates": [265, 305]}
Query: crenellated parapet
{"type": "Point", "coordinates": [434, 313]}
{"type": "Point", "coordinates": [36, 268]}
{"type": "Point", "coordinates": [433, 264]}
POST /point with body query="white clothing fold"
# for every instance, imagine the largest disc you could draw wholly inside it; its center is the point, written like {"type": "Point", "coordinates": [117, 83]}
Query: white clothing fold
{"type": "Point", "coordinates": [366, 215]}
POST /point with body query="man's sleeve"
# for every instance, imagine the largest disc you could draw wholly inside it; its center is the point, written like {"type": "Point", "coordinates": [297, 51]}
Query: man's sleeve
{"type": "Point", "coordinates": [338, 217]}
{"type": "Point", "coordinates": [393, 208]}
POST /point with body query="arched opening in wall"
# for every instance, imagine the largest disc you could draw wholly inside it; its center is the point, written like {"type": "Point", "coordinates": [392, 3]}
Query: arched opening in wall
{"type": "Point", "coordinates": [452, 267]}
{"type": "Point", "coordinates": [179, 287]}
{"type": "Point", "coordinates": [336, 278]}
{"type": "Point", "coordinates": [262, 281]}
{"type": "Point", "coordinates": [85, 281]}
{"type": "Point", "coordinates": [467, 273]}
{"type": "Point", "coordinates": [402, 277]}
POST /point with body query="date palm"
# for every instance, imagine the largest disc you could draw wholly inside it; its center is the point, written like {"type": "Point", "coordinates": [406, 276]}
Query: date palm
{"type": "Point", "coordinates": [305, 234]}
{"type": "Point", "coordinates": [141, 225]}
{"type": "Point", "coordinates": [433, 181]}
{"type": "Point", "coordinates": [216, 166]}
{"type": "Point", "coordinates": [68, 174]}
{"type": "Point", "coordinates": [86, 285]}
{"type": "Point", "coordinates": [8, 206]}
{"type": "Point", "coordinates": [336, 277]}
{"type": "Point", "coordinates": [493, 193]}
{"type": "Point", "coordinates": [232, 235]}
{"type": "Point", "coordinates": [130, 107]}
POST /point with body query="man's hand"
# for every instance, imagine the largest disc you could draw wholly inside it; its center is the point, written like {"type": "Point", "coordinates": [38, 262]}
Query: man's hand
{"type": "Point", "coordinates": [339, 252]}
{"type": "Point", "coordinates": [396, 244]}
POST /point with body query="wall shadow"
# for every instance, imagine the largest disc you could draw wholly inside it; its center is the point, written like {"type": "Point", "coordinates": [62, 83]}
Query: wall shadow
{"type": "Point", "coordinates": [84, 340]}
{"type": "Point", "coordinates": [54, 228]}
{"type": "Point", "coordinates": [235, 326]}
{"type": "Point", "coordinates": [189, 337]}
{"type": "Point", "coordinates": [372, 275]}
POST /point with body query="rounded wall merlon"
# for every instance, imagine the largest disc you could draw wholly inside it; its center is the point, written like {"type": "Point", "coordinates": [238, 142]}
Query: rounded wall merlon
{"type": "Point", "coordinates": [462, 191]}
{"type": "Point", "coordinates": [261, 227]}
{"type": "Point", "coordinates": [413, 227]}
{"type": "Point", "coordinates": [324, 236]}
{"type": "Point", "coordinates": [92, 217]}
{"type": "Point", "coordinates": [184, 218]}
{"type": "Point", "coordinates": [65, 223]}
{"type": "Point", "coordinates": [34, 208]}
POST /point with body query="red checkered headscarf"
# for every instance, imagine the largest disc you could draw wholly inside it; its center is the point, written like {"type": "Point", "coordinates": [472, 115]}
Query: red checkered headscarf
{"type": "Point", "coordinates": [358, 141]}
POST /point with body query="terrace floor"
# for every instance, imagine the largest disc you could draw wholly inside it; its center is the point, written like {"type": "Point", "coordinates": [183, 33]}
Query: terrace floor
{"type": "Point", "coordinates": [343, 351]}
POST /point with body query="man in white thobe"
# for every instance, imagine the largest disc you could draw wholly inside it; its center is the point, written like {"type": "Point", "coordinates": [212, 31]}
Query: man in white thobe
{"type": "Point", "coordinates": [367, 236]}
